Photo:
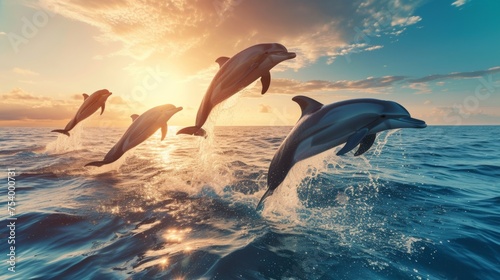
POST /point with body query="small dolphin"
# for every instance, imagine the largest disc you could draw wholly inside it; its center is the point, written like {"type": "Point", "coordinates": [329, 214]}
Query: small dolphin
{"type": "Point", "coordinates": [235, 74]}
{"type": "Point", "coordinates": [142, 128]}
{"type": "Point", "coordinates": [90, 105]}
{"type": "Point", "coordinates": [322, 127]}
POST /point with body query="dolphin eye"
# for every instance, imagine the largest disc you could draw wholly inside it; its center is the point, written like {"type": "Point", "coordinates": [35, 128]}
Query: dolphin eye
{"type": "Point", "coordinates": [383, 116]}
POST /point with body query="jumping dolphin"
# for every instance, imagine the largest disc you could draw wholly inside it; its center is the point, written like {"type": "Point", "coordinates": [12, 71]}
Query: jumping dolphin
{"type": "Point", "coordinates": [322, 127]}
{"type": "Point", "coordinates": [90, 105]}
{"type": "Point", "coordinates": [235, 74]}
{"type": "Point", "coordinates": [142, 128]}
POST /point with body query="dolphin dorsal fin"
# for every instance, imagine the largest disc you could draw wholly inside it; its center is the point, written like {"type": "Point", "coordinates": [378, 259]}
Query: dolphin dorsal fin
{"type": "Point", "coordinates": [307, 105]}
{"type": "Point", "coordinates": [134, 117]}
{"type": "Point", "coordinates": [221, 60]}
{"type": "Point", "coordinates": [85, 96]}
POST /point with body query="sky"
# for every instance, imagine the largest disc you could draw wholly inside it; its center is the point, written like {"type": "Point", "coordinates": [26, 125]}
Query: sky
{"type": "Point", "coordinates": [439, 59]}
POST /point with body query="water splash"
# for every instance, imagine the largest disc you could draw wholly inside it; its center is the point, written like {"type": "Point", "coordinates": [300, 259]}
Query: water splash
{"type": "Point", "coordinates": [383, 139]}
{"type": "Point", "coordinates": [339, 196]}
{"type": "Point", "coordinates": [64, 144]}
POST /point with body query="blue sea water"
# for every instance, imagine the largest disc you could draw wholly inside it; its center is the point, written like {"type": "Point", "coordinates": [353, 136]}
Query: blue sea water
{"type": "Point", "coordinates": [421, 204]}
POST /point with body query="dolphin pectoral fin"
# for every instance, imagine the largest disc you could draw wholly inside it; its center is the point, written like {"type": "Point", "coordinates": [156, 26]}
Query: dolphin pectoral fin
{"type": "Point", "coordinates": [268, 193]}
{"type": "Point", "coordinates": [163, 132]}
{"type": "Point", "coordinates": [134, 117]}
{"type": "Point", "coordinates": [307, 105]}
{"type": "Point", "coordinates": [266, 81]}
{"type": "Point", "coordinates": [193, 130]}
{"type": "Point", "coordinates": [61, 131]}
{"type": "Point", "coordinates": [353, 141]}
{"type": "Point", "coordinates": [221, 60]}
{"type": "Point", "coordinates": [85, 96]}
{"type": "Point", "coordinates": [365, 144]}
{"type": "Point", "coordinates": [103, 107]}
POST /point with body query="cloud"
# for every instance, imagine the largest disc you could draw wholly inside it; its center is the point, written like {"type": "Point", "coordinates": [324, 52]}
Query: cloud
{"type": "Point", "coordinates": [2, 33]}
{"type": "Point", "coordinates": [406, 21]}
{"type": "Point", "coordinates": [77, 96]}
{"type": "Point", "coordinates": [352, 49]}
{"type": "Point", "coordinates": [118, 100]}
{"type": "Point", "coordinates": [17, 95]}
{"type": "Point", "coordinates": [264, 108]}
{"type": "Point", "coordinates": [375, 85]}
{"type": "Point", "coordinates": [290, 86]}
{"type": "Point", "coordinates": [192, 34]}
{"type": "Point", "coordinates": [372, 48]}
{"type": "Point", "coordinates": [24, 72]}
{"type": "Point", "coordinates": [459, 3]}
{"type": "Point", "coordinates": [456, 75]}
{"type": "Point", "coordinates": [420, 88]}
{"type": "Point", "coordinates": [19, 105]}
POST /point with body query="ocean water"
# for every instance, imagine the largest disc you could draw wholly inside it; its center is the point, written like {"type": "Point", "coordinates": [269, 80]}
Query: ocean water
{"type": "Point", "coordinates": [421, 204]}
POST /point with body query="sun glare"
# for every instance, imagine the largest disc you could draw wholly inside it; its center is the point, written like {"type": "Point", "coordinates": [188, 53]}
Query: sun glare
{"type": "Point", "coordinates": [176, 235]}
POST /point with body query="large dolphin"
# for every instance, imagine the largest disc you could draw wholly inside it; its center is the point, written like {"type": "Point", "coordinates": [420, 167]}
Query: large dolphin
{"type": "Point", "coordinates": [142, 128]}
{"type": "Point", "coordinates": [235, 74]}
{"type": "Point", "coordinates": [322, 127]}
{"type": "Point", "coordinates": [90, 104]}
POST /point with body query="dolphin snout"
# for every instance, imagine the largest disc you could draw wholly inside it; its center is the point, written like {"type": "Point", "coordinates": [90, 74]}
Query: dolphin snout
{"type": "Point", "coordinates": [413, 123]}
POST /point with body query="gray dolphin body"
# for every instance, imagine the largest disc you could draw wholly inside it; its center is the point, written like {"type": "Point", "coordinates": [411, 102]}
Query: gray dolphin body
{"type": "Point", "coordinates": [235, 74]}
{"type": "Point", "coordinates": [90, 105]}
{"type": "Point", "coordinates": [322, 127]}
{"type": "Point", "coordinates": [142, 128]}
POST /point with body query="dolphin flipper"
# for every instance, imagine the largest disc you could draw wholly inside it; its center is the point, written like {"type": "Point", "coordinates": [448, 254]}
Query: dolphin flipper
{"type": "Point", "coordinates": [266, 81]}
{"type": "Point", "coordinates": [353, 141]}
{"type": "Point", "coordinates": [61, 131]}
{"type": "Point", "coordinates": [163, 131]}
{"type": "Point", "coordinates": [193, 130]}
{"type": "Point", "coordinates": [365, 144]}
{"type": "Point", "coordinates": [268, 193]}
{"type": "Point", "coordinates": [103, 107]}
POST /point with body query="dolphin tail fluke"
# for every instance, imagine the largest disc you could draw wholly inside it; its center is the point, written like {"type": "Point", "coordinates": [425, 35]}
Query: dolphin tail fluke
{"type": "Point", "coordinates": [193, 130]}
{"type": "Point", "coordinates": [268, 193]}
{"type": "Point", "coordinates": [65, 132]}
{"type": "Point", "coordinates": [96, 163]}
